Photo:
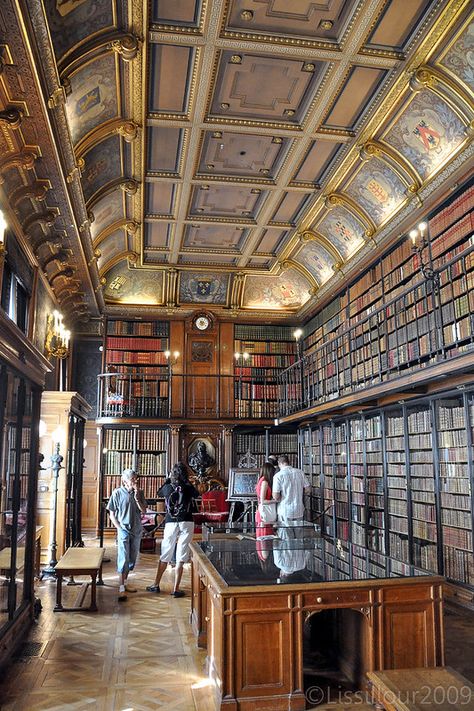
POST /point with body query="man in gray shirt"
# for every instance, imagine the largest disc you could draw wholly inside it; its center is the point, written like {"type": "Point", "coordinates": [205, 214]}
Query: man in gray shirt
{"type": "Point", "coordinates": [124, 507]}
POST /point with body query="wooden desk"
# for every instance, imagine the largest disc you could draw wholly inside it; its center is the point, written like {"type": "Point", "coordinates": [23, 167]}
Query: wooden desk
{"type": "Point", "coordinates": [437, 689]}
{"type": "Point", "coordinates": [79, 561]}
{"type": "Point", "coordinates": [254, 633]}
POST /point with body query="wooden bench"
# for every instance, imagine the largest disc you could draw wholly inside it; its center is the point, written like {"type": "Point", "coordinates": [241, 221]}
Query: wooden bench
{"type": "Point", "coordinates": [79, 561]}
{"type": "Point", "coordinates": [426, 689]}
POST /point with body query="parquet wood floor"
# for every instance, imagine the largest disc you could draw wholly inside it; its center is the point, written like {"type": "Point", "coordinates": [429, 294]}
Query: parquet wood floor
{"type": "Point", "coordinates": [140, 655]}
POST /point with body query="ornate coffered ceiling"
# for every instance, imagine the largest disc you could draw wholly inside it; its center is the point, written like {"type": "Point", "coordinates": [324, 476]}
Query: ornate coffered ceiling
{"type": "Point", "coordinates": [244, 154]}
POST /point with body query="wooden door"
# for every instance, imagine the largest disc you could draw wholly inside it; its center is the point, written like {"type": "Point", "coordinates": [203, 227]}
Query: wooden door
{"type": "Point", "coordinates": [90, 480]}
{"type": "Point", "coordinates": [201, 368]}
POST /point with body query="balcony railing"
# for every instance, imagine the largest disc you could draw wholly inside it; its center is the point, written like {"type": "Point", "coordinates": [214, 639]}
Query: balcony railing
{"type": "Point", "coordinates": [138, 393]}
{"type": "Point", "coordinates": [428, 323]}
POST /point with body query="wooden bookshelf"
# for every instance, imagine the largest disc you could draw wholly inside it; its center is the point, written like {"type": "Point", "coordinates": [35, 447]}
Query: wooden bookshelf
{"type": "Point", "coordinates": [137, 384]}
{"type": "Point", "coordinates": [262, 444]}
{"type": "Point", "coordinates": [409, 489]}
{"type": "Point", "coordinates": [270, 350]}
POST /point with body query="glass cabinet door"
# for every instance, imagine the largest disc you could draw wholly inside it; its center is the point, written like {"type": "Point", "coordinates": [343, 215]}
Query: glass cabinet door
{"type": "Point", "coordinates": [455, 488]}
{"type": "Point", "coordinates": [423, 487]}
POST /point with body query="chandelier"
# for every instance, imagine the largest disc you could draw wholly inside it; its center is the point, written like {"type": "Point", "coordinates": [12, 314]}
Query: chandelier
{"type": "Point", "coordinates": [57, 337]}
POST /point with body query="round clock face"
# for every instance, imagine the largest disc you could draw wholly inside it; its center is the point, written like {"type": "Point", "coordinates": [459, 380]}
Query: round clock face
{"type": "Point", "coordinates": [202, 323]}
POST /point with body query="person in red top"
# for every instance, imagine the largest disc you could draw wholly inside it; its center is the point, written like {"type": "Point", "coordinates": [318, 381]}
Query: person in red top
{"type": "Point", "coordinates": [264, 493]}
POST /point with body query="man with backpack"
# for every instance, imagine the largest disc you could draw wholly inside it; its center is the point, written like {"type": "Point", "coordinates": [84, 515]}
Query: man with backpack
{"type": "Point", "coordinates": [179, 497]}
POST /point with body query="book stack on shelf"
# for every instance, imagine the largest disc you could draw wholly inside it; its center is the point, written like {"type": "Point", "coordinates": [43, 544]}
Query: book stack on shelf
{"type": "Point", "coordinates": [455, 489]}
{"type": "Point", "coordinates": [270, 350]}
{"type": "Point", "coordinates": [311, 465]}
{"type": "Point", "coordinates": [142, 449]}
{"type": "Point", "coordinates": [397, 485]}
{"type": "Point", "coordinates": [423, 489]}
{"type": "Point", "coordinates": [256, 444]}
{"type": "Point", "coordinates": [135, 352]}
{"type": "Point", "coordinates": [328, 480]}
{"type": "Point", "coordinates": [358, 499]}
{"type": "Point", "coordinates": [374, 483]}
{"type": "Point", "coordinates": [341, 481]}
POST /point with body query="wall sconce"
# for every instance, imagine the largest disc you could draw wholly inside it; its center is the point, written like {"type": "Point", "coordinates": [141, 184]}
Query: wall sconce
{"type": "Point", "coordinates": [241, 356]}
{"type": "Point", "coordinates": [297, 333]}
{"type": "Point", "coordinates": [57, 337]}
{"type": "Point", "coordinates": [418, 244]}
{"type": "Point", "coordinates": [172, 358]}
{"type": "Point", "coordinates": [3, 227]}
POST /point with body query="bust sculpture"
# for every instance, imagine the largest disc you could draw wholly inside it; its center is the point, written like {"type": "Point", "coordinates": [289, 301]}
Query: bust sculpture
{"type": "Point", "coordinates": [201, 461]}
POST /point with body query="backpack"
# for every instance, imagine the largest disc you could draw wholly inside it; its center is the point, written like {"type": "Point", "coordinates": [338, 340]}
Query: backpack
{"type": "Point", "coordinates": [177, 504]}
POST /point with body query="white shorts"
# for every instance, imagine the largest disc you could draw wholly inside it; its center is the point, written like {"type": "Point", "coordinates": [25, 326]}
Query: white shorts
{"type": "Point", "coordinates": [176, 540]}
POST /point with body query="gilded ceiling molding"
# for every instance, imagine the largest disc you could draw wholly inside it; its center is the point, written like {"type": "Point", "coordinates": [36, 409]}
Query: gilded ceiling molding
{"type": "Point", "coordinates": [43, 219]}
{"type": "Point", "coordinates": [338, 199]}
{"type": "Point", "coordinates": [57, 98]}
{"type": "Point", "coordinates": [237, 291]}
{"type": "Point", "coordinates": [171, 291]}
{"type": "Point", "coordinates": [394, 159]}
{"type": "Point", "coordinates": [130, 226]}
{"type": "Point", "coordinates": [67, 273]}
{"type": "Point", "coordinates": [313, 236]}
{"type": "Point", "coordinates": [52, 239]}
{"type": "Point", "coordinates": [35, 191]}
{"type": "Point", "coordinates": [126, 47]}
{"type": "Point", "coordinates": [11, 118]}
{"type": "Point", "coordinates": [61, 256]}
{"type": "Point", "coordinates": [292, 264]}
{"type": "Point", "coordinates": [24, 160]}
{"type": "Point", "coordinates": [130, 186]}
{"type": "Point", "coordinates": [127, 254]}
{"type": "Point", "coordinates": [68, 288]}
{"type": "Point", "coordinates": [108, 128]}
{"type": "Point", "coordinates": [434, 79]}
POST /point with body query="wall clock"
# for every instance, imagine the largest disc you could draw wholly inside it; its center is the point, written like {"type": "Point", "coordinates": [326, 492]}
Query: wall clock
{"type": "Point", "coordinates": [202, 323]}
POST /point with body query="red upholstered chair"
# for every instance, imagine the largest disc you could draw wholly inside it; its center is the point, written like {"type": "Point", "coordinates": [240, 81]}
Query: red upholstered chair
{"type": "Point", "coordinates": [214, 508]}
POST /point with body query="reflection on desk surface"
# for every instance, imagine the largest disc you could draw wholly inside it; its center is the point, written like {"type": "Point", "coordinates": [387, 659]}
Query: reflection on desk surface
{"type": "Point", "coordinates": [298, 554]}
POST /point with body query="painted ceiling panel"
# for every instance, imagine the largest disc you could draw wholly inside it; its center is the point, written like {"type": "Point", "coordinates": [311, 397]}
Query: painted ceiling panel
{"type": "Point", "coordinates": [107, 210]}
{"type": "Point", "coordinates": [203, 287]}
{"type": "Point", "coordinates": [111, 246]}
{"type": "Point", "coordinates": [317, 260]}
{"type": "Point", "coordinates": [288, 291]}
{"type": "Point", "coordinates": [317, 160]}
{"type": "Point", "coordinates": [272, 240]}
{"type": "Point", "coordinates": [359, 90]}
{"type": "Point", "coordinates": [93, 99]}
{"type": "Point", "coordinates": [163, 149]}
{"type": "Point", "coordinates": [459, 59]}
{"type": "Point", "coordinates": [155, 257]}
{"type": "Point", "coordinates": [133, 286]}
{"type": "Point", "coordinates": [397, 22]}
{"type": "Point", "coordinates": [176, 12]}
{"type": "Point", "coordinates": [264, 88]}
{"type": "Point", "coordinates": [214, 236]}
{"type": "Point", "coordinates": [290, 207]}
{"type": "Point", "coordinates": [343, 230]}
{"type": "Point", "coordinates": [306, 18]}
{"type": "Point", "coordinates": [241, 154]}
{"type": "Point", "coordinates": [170, 67]}
{"type": "Point", "coordinates": [426, 132]}
{"type": "Point", "coordinates": [159, 198]}
{"type": "Point", "coordinates": [71, 22]}
{"type": "Point", "coordinates": [225, 201]}
{"type": "Point", "coordinates": [377, 189]}
{"type": "Point", "coordinates": [157, 234]}
{"type": "Point", "coordinates": [103, 164]}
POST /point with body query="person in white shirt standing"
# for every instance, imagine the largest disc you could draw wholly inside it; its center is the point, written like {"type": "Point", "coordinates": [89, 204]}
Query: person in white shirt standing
{"type": "Point", "coordinates": [289, 486]}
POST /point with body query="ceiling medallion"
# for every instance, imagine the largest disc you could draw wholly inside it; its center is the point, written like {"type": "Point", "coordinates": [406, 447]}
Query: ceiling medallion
{"type": "Point", "coordinates": [236, 59]}
{"type": "Point", "coordinates": [210, 166]}
{"type": "Point", "coordinates": [309, 67]}
{"type": "Point", "coordinates": [205, 187]}
{"type": "Point", "coordinates": [217, 134]}
{"type": "Point", "coordinates": [289, 112]}
{"type": "Point", "coordinates": [246, 15]}
{"type": "Point", "coordinates": [277, 139]}
{"type": "Point", "coordinates": [264, 171]}
{"type": "Point", "coordinates": [256, 191]}
{"type": "Point", "coordinates": [225, 105]}
{"type": "Point", "coordinates": [326, 25]}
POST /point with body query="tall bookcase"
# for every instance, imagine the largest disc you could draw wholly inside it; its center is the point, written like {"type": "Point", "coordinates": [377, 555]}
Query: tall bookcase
{"type": "Point", "coordinates": [393, 320]}
{"type": "Point", "coordinates": [134, 356]}
{"type": "Point", "coordinates": [263, 443]}
{"type": "Point", "coordinates": [399, 480]}
{"type": "Point", "coordinates": [270, 349]}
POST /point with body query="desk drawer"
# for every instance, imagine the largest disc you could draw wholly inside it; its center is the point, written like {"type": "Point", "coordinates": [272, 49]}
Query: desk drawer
{"type": "Point", "coordinates": [334, 598]}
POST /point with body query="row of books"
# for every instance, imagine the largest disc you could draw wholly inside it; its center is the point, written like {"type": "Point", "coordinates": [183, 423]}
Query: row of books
{"type": "Point", "coordinates": [138, 328]}
{"type": "Point", "coordinates": [255, 443]}
{"type": "Point", "coordinates": [259, 360]}
{"type": "Point", "coordinates": [136, 357]}
{"type": "Point", "coordinates": [266, 347]}
{"type": "Point", "coordinates": [256, 391]}
{"type": "Point", "coordinates": [458, 565]}
{"type": "Point", "coordinates": [142, 344]}
{"type": "Point", "coordinates": [453, 212]}
{"type": "Point", "coordinates": [262, 332]}
{"type": "Point", "coordinates": [256, 409]}
{"type": "Point", "coordinates": [149, 485]}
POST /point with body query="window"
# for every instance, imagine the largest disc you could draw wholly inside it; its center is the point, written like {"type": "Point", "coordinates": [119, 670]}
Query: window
{"type": "Point", "coordinates": [14, 300]}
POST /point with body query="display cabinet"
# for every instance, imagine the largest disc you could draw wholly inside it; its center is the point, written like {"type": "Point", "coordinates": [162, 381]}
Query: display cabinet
{"type": "Point", "coordinates": [261, 444]}
{"type": "Point", "coordinates": [22, 374]}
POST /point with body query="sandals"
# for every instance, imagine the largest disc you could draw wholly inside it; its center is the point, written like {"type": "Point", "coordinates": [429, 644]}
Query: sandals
{"type": "Point", "coordinates": [153, 588]}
